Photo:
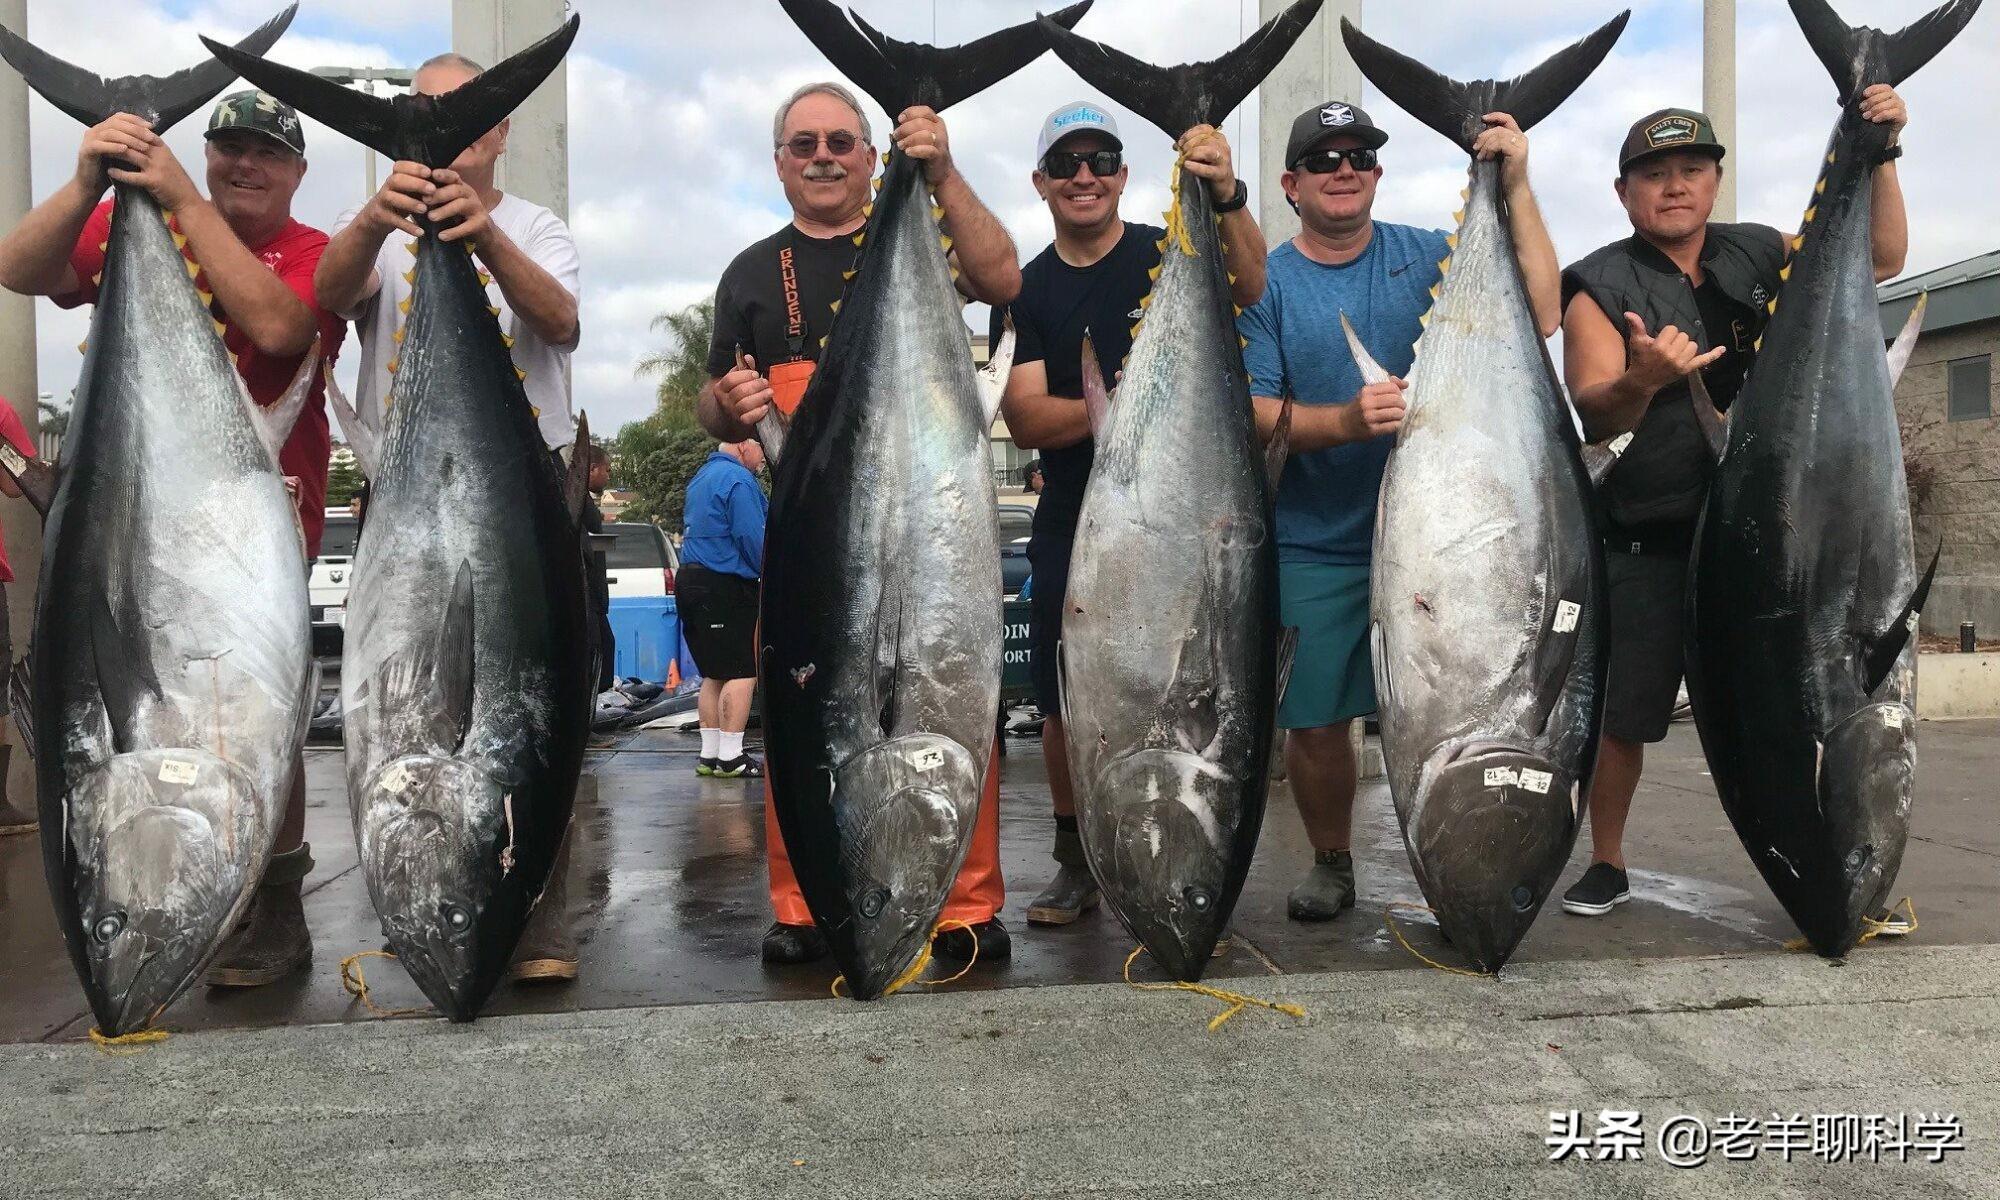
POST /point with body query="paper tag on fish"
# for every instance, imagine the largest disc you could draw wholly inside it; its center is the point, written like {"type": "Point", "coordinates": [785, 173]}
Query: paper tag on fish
{"type": "Point", "coordinates": [1567, 612]}
{"type": "Point", "coordinates": [1892, 717]}
{"type": "Point", "coordinates": [1502, 776]}
{"type": "Point", "coordinates": [396, 779]}
{"type": "Point", "coordinates": [927, 760]}
{"type": "Point", "coordinates": [1911, 624]}
{"type": "Point", "coordinates": [177, 770]}
{"type": "Point", "coordinates": [1536, 781]}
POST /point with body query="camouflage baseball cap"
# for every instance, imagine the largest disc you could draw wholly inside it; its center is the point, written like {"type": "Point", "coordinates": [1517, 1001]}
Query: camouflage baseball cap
{"type": "Point", "coordinates": [1666, 130]}
{"type": "Point", "coordinates": [258, 112]}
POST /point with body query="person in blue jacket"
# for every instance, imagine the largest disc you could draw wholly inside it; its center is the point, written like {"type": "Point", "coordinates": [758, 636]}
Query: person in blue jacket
{"type": "Point", "coordinates": [722, 556]}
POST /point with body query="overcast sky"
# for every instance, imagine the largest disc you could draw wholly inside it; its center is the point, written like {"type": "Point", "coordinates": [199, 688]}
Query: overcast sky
{"type": "Point", "coordinates": [671, 102]}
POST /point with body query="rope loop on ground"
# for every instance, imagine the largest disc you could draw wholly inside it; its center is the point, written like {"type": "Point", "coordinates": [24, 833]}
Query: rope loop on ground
{"type": "Point", "coordinates": [1389, 918]}
{"type": "Point", "coordinates": [356, 984]}
{"type": "Point", "coordinates": [916, 969]}
{"type": "Point", "coordinates": [1236, 1001]}
{"type": "Point", "coordinates": [126, 1043]}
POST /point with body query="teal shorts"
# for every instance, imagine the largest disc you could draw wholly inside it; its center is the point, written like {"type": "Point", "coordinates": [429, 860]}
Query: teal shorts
{"type": "Point", "coordinates": [1333, 678]}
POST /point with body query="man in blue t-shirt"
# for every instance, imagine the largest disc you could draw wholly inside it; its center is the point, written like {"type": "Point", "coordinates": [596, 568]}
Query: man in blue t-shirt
{"type": "Point", "coordinates": [1091, 279]}
{"type": "Point", "coordinates": [722, 556]}
{"type": "Point", "coordinates": [1380, 275]}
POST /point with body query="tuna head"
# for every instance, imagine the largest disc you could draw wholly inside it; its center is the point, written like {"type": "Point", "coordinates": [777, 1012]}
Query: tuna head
{"type": "Point", "coordinates": [910, 803]}
{"type": "Point", "coordinates": [167, 844]}
{"type": "Point", "coordinates": [452, 884]}
{"type": "Point", "coordinates": [1838, 870]}
{"type": "Point", "coordinates": [1489, 830]}
{"type": "Point", "coordinates": [1159, 840]}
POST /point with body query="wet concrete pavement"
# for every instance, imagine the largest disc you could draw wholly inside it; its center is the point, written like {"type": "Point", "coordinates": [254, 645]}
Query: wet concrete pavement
{"type": "Point", "coordinates": [668, 897]}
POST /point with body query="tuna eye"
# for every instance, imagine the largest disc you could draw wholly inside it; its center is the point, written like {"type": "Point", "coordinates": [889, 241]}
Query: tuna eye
{"type": "Point", "coordinates": [1522, 897]}
{"type": "Point", "coordinates": [1197, 899]}
{"type": "Point", "coordinates": [873, 902]}
{"type": "Point", "coordinates": [457, 918]}
{"type": "Point", "coordinates": [108, 926]}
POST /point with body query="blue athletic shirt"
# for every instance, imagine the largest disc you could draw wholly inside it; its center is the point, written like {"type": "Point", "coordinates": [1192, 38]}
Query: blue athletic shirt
{"type": "Point", "coordinates": [1326, 500]}
{"type": "Point", "coordinates": [725, 519]}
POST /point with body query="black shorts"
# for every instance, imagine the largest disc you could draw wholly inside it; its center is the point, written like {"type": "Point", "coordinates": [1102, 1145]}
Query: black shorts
{"type": "Point", "coordinates": [1648, 603]}
{"type": "Point", "coordinates": [719, 614]}
{"type": "Point", "coordinates": [1048, 560]}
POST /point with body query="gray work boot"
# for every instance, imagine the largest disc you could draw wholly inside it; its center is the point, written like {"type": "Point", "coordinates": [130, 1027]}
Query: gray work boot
{"type": "Point", "coordinates": [1074, 891]}
{"type": "Point", "coordinates": [13, 819]}
{"type": "Point", "coordinates": [1326, 890]}
{"type": "Point", "coordinates": [547, 952]}
{"type": "Point", "coordinates": [271, 941]}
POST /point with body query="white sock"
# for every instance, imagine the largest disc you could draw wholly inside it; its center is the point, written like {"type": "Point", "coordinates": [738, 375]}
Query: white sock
{"type": "Point", "coordinates": [730, 747]}
{"type": "Point", "coordinates": [710, 739]}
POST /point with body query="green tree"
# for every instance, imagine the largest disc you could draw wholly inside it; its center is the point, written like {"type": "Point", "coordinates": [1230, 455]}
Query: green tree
{"type": "Point", "coordinates": [682, 368]}
{"type": "Point", "coordinates": [657, 457]}
{"type": "Point", "coordinates": [343, 478]}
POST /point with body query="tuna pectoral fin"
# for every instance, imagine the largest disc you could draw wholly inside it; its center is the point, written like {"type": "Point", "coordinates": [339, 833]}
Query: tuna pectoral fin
{"type": "Point", "coordinates": [452, 667]}
{"type": "Point", "coordinates": [1278, 449]}
{"type": "Point", "coordinates": [1454, 108]}
{"type": "Point", "coordinates": [1096, 401]}
{"type": "Point", "coordinates": [91, 98]}
{"type": "Point", "coordinates": [1600, 457]}
{"type": "Point", "coordinates": [1371, 371]}
{"type": "Point", "coordinates": [1906, 341]}
{"type": "Point", "coordinates": [364, 437]}
{"type": "Point", "coordinates": [35, 478]}
{"type": "Point", "coordinates": [1880, 654]}
{"type": "Point", "coordinates": [1846, 52]}
{"type": "Point", "coordinates": [274, 424]}
{"type": "Point", "coordinates": [900, 74]}
{"type": "Point", "coordinates": [428, 129]}
{"type": "Point", "coordinates": [21, 695]}
{"type": "Point", "coordinates": [993, 376]}
{"type": "Point", "coordinates": [1288, 653]}
{"type": "Point", "coordinates": [1714, 426]}
{"type": "Point", "coordinates": [576, 485]}
{"type": "Point", "coordinates": [1179, 98]}
{"type": "Point", "coordinates": [125, 675]}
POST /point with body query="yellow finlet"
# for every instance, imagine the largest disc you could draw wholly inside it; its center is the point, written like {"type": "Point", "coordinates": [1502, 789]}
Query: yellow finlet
{"type": "Point", "coordinates": [878, 183]}
{"type": "Point", "coordinates": [393, 364]}
{"type": "Point", "coordinates": [937, 212]}
{"type": "Point", "coordinates": [858, 237]}
{"type": "Point", "coordinates": [944, 243]}
{"type": "Point", "coordinates": [1829, 158]}
{"type": "Point", "coordinates": [207, 298]}
{"type": "Point", "coordinates": [410, 277]}
{"type": "Point", "coordinates": [397, 336]}
{"type": "Point", "coordinates": [1819, 189]}
{"type": "Point", "coordinates": [507, 340]}
{"type": "Point", "coordinates": [1135, 328]}
{"type": "Point", "coordinates": [534, 412]}
{"type": "Point", "coordinates": [1785, 272]}
{"type": "Point", "coordinates": [403, 306]}
{"type": "Point", "coordinates": [103, 246]}
{"type": "Point", "coordinates": [1772, 307]}
{"type": "Point", "coordinates": [1757, 345]}
{"type": "Point", "coordinates": [1451, 240]}
{"type": "Point", "coordinates": [1238, 308]}
{"type": "Point", "coordinates": [868, 210]}
{"type": "Point", "coordinates": [1145, 301]}
{"type": "Point", "coordinates": [1434, 291]}
{"type": "Point", "coordinates": [1458, 218]}
{"type": "Point", "coordinates": [520, 374]}
{"type": "Point", "coordinates": [221, 330]}
{"type": "Point", "coordinates": [836, 306]}
{"type": "Point", "coordinates": [1161, 245]}
{"type": "Point", "coordinates": [83, 347]}
{"type": "Point", "coordinates": [1231, 276]}
{"type": "Point", "coordinates": [411, 246]}
{"type": "Point", "coordinates": [847, 275]}
{"type": "Point", "coordinates": [1799, 242]}
{"type": "Point", "coordinates": [232, 358]}
{"type": "Point", "coordinates": [485, 280]}
{"type": "Point", "coordinates": [1424, 322]}
{"type": "Point", "coordinates": [97, 280]}
{"type": "Point", "coordinates": [492, 308]}
{"type": "Point", "coordinates": [1465, 193]}
{"type": "Point", "coordinates": [822, 343]}
{"type": "Point", "coordinates": [1444, 264]}
{"type": "Point", "coordinates": [1242, 343]}
{"type": "Point", "coordinates": [180, 240]}
{"type": "Point", "coordinates": [194, 268]}
{"type": "Point", "coordinates": [1811, 213]}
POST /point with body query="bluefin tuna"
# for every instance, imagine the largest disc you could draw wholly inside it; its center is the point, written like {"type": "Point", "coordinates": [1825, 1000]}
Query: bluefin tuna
{"type": "Point", "coordinates": [1170, 666]}
{"type": "Point", "coordinates": [1805, 593]}
{"type": "Point", "coordinates": [1487, 601]}
{"type": "Point", "coordinates": [880, 643]}
{"type": "Point", "coordinates": [172, 674]}
{"type": "Point", "coordinates": [470, 656]}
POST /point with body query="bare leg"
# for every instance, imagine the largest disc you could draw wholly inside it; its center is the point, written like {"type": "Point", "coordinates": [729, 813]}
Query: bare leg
{"type": "Point", "coordinates": [1320, 763]}
{"type": "Point", "coordinates": [709, 704]}
{"type": "Point", "coordinates": [733, 712]}
{"type": "Point", "coordinates": [1617, 778]}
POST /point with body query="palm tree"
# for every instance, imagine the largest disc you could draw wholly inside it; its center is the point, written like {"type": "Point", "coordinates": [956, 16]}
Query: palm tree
{"type": "Point", "coordinates": [683, 366]}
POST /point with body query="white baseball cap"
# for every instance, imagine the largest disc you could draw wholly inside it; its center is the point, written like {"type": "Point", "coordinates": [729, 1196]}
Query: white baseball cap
{"type": "Point", "coordinates": [1080, 117]}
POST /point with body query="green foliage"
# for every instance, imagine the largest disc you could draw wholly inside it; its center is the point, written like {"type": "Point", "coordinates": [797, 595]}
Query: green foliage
{"type": "Point", "coordinates": [657, 457]}
{"type": "Point", "coordinates": [682, 367]}
{"type": "Point", "coordinates": [661, 472]}
{"type": "Point", "coordinates": [343, 479]}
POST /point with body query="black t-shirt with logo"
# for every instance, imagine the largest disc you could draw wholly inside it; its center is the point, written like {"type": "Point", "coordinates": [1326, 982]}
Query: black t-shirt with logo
{"type": "Point", "coordinates": [750, 299]}
{"type": "Point", "coordinates": [1058, 302]}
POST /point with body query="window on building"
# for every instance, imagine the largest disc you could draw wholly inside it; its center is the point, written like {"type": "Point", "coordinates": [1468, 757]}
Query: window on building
{"type": "Point", "coordinates": [1969, 388]}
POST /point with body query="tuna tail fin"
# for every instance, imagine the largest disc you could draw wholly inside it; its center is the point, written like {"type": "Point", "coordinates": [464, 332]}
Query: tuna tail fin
{"type": "Point", "coordinates": [35, 478]}
{"type": "Point", "coordinates": [1906, 341]}
{"type": "Point", "coordinates": [1885, 648]}
{"type": "Point", "coordinates": [576, 485]}
{"type": "Point", "coordinates": [1858, 56]}
{"type": "Point", "coordinates": [90, 98]}
{"type": "Point", "coordinates": [1454, 108]}
{"type": "Point", "coordinates": [1714, 426]}
{"type": "Point", "coordinates": [1179, 98]}
{"type": "Point", "coordinates": [427, 129]}
{"type": "Point", "coordinates": [901, 74]}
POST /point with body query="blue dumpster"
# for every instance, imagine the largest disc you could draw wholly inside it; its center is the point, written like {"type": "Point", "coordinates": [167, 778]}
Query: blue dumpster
{"type": "Point", "coordinates": [648, 631]}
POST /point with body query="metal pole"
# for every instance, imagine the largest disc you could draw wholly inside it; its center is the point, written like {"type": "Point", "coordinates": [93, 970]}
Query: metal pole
{"type": "Point", "coordinates": [536, 164]}
{"type": "Point", "coordinates": [18, 522]}
{"type": "Point", "coordinates": [1718, 90]}
{"type": "Point", "coordinates": [1317, 70]}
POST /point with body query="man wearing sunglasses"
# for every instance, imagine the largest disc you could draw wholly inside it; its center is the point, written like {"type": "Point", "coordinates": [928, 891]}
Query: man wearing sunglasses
{"type": "Point", "coordinates": [772, 308]}
{"type": "Point", "coordinates": [1380, 276]}
{"type": "Point", "coordinates": [1090, 279]}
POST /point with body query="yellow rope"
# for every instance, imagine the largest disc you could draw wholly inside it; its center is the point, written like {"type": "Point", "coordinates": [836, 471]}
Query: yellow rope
{"type": "Point", "coordinates": [1389, 918]}
{"type": "Point", "coordinates": [357, 985]}
{"type": "Point", "coordinates": [1235, 1000]}
{"type": "Point", "coordinates": [923, 960]}
{"type": "Point", "coordinates": [126, 1042]}
{"type": "Point", "coordinates": [1871, 928]}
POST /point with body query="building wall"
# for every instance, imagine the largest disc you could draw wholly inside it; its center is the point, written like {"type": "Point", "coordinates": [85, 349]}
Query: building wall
{"type": "Point", "coordinates": [1954, 465]}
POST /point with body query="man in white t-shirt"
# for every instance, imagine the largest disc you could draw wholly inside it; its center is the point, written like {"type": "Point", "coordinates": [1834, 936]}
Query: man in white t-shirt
{"type": "Point", "coordinates": [529, 260]}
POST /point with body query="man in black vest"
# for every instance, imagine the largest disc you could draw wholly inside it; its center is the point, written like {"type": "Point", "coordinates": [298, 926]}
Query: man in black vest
{"type": "Point", "coordinates": [1639, 316]}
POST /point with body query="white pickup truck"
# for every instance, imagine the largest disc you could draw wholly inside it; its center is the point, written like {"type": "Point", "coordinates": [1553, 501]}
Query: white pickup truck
{"type": "Point", "coordinates": [327, 588]}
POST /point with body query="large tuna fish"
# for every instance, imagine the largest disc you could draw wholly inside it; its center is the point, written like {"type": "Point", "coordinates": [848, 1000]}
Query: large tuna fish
{"type": "Point", "coordinates": [881, 612]}
{"type": "Point", "coordinates": [1170, 662]}
{"type": "Point", "coordinates": [172, 668]}
{"type": "Point", "coordinates": [470, 654]}
{"type": "Point", "coordinates": [1801, 663]}
{"type": "Point", "coordinates": [1488, 584]}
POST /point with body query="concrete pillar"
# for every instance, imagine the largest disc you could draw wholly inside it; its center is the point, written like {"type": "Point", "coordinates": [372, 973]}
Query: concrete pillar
{"type": "Point", "coordinates": [536, 165]}
{"type": "Point", "coordinates": [1718, 92]}
{"type": "Point", "coordinates": [21, 527]}
{"type": "Point", "coordinates": [1318, 69]}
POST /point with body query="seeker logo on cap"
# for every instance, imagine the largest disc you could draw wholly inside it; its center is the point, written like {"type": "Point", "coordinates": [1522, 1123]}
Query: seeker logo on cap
{"type": "Point", "coordinates": [1670, 131]}
{"type": "Point", "coordinates": [1335, 115]}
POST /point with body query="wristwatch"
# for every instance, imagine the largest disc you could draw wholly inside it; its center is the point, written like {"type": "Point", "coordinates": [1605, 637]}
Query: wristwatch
{"type": "Point", "coordinates": [1237, 201]}
{"type": "Point", "coordinates": [1890, 155]}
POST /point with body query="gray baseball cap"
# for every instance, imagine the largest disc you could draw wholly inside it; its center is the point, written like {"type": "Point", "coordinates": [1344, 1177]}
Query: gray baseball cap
{"type": "Point", "coordinates": [1079, 117]}
{"type": "Point", "coordinates": [1323, 121]}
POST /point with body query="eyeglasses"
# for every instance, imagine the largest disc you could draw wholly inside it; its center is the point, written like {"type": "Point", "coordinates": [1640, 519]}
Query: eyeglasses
{"type": "Point", "coordinates": [1063, 164]}
{"type": "Point", "coordinates": [1326, 162]}
{"type": "Point", "coordinates": [839, 143]}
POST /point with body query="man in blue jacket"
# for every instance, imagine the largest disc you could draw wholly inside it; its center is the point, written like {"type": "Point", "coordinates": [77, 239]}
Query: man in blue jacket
{"type": "Point", "coordinates": [722, 555]}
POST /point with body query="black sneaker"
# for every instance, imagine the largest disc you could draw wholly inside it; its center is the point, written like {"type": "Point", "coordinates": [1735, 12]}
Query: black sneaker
{"type": "Point", "coordinates": [704, 766]}
{"type": "Point", "coordinates": [995, 945]}
{"type": "Point", "coordinates": [740, 767]}
{"type": "Point", "coordinates": [1602, 888]}
{"type": "Point", "coordinates": [789, 945]}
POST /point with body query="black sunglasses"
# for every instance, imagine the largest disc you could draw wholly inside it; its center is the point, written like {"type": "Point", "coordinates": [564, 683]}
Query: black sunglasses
{"type": "Point", "coordinates": [1063, 164]}
{"type": "Point", "coordinates": [1326, 162]}
{"type": "Point", "coordinates": [839, 143]}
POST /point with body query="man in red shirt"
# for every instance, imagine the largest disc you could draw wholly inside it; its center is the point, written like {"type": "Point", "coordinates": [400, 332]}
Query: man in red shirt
{"type": "Point", "coordinates": [258, 263]}
{"type": "Point", "coordinates": [13, 818]}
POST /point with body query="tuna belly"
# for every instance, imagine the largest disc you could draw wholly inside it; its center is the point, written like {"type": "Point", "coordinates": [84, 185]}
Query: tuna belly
{"type": "Point", "coordinates": [1489, 831]}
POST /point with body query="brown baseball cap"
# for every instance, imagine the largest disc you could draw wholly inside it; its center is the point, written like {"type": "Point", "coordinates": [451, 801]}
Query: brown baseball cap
{"type": "Point", "coordinates": [1668, 130]}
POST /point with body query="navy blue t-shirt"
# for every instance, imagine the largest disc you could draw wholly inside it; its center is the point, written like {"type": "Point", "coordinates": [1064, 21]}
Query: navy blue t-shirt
{"type": "Point", "coordinates": [1057, 304]}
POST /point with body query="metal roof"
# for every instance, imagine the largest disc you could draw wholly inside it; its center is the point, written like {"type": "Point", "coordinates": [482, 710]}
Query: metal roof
{"type": "Point", "coordinates": [1961, 293]}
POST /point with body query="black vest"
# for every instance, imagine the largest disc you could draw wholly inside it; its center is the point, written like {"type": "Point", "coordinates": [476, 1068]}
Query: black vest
{"type": "Point", "coordinates": [1662, 476]}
